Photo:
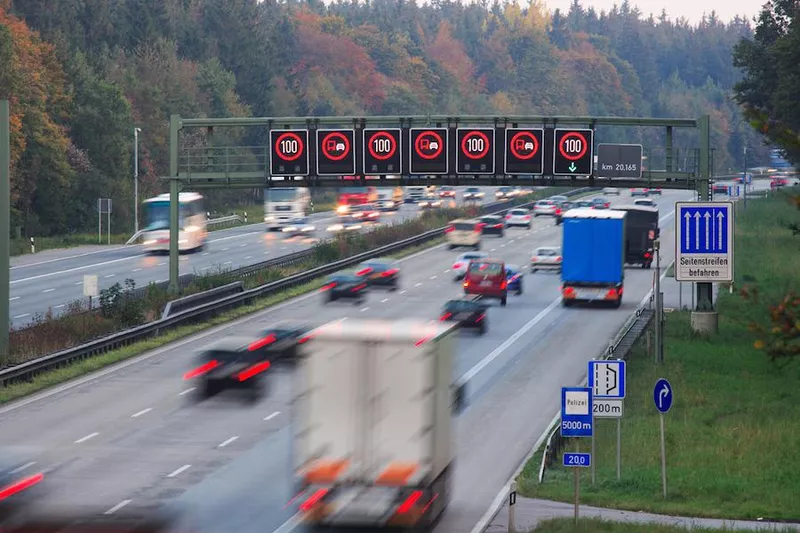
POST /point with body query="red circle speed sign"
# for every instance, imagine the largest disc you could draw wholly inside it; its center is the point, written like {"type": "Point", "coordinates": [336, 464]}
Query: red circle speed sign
{"type": "Point", "coordinates": [475, 145]}
{"type": "Point", "coordinates": [289, 146]}
{"type": "Point", "coordinates": [429, 145]}
{"type": "Point", "coordinates": [335, 146]}
{"type": "Point", "coordinates": [524, 145]}
{"type": "Point", "coordinates": [573, 146]}
{"type": "Point", "coordinates": [382, 145]}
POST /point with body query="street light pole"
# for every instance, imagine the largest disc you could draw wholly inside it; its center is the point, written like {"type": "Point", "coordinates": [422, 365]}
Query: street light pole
{"type": "Point", "coordinates": [744, 177]}
{"type": "Point", "coordinates": [136, 179]}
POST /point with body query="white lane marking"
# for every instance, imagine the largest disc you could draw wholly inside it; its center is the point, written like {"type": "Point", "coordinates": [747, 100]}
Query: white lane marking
{"type": "Point", "coordinates": [227, 262]}
{"type": "Point", "coordinates": [140, 413]}
{"type": "Point", "coordinates": [14, 298]}
{"type": "Point", "coordinates": [206, 268]}
{"type": "Point", "coordinates": [162, 263]}
{"type": "Point", "coordinates": [48, 290]}
{"type": "Point", "coordinates": [493, 249]}
{"type": "Point", "coordinates": [418, 284]}
{"type": "Point", "coordinates": [117, 507]}
{"type": "Point", "coordinates": [290, 524]}
{"type": "Point", "coordinates": [206, 253]}
{"type": "Point", "coordinates": [365, 309]}
{"type": "Point", "coordinates": [228, 442]}
{"type": "Point", "coordinates": [187, 391]}
{"type": "Point", "coordinates": [248, 257]}
{"type": "Point", "coordinates": [87, 437]}
{"type": "Point", "coordinates": [23, 467]}
{"type": "Point", "coordinates": [81, 283]}
{"type": "Point", "coordinates": [266, 253]}
{"type": "Point", "coordinates": [134, 270]}
{"type": "Point", "coordinates": [60, 306]}
{"type": "Point", "coordinates": [22, 316]}
{"type": "Point", "coordinates": [76, 269]}
{"type": "Point", "coordinates": [243, 245]}
{"type": "Point", "coordinates": [184, 468]}
{"type": "Point", "coordinates": [68, 257]}
{"type": "Point", "coordinates": [433, 277]}
{"type": "Point", "coordinates": [225, 249]}
{"type": "Point", "coordinates": [446, 271]}
{"type": "Point", "coordinates": [384, 300]}
{"type": "Point", "coordinates": [403, 291]}
{"type": "Point", "coordinates": [160, 280]}
{"type": "Point", "coordinates": [109, 276]}
{"type": "Point", "coordinates": [273, 415]}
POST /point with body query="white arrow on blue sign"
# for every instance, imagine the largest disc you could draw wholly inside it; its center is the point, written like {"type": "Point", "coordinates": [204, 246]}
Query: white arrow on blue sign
{"type": "Point", "coordinates": [662, 395]}
{"type": "Point", "coordinates": [704, 242]}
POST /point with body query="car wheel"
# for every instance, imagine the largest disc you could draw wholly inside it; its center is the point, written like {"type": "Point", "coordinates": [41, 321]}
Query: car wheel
{"type": "Point", "coordinates": [566, 303]}
{"type": "Point", "coordinates": [529, 226]}
{"type": "Point", "coordinates": [533, 270]}
{"type": "Point", "coordinates": [450, 246]}
{"type": "Point", "coordinates": [477, 246]}
{"type": "Point", "coordinates": [503, 301]}
{"type": "Point", "coordinates": [519, 291]}
{"type": "Point", "coordinates": [482, 329]}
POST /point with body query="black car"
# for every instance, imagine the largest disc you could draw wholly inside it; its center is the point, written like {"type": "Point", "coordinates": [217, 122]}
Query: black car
{"type": "Point", "coordinates": [21, 485]}
{"type": "Point", "coordinates": [600, 203]}
{"type": "Point", "coordinates": [381, 273]}
{"type": "Point", "coordinates": [235, 363]}
{"type": "Point", "coordinates": [566, 206]}
{"type": "Point", "coordinates": [468, 313]}
{"type": "Point", "coordinates": [346, 285]}
{"type": "Point", "coordinates": [492, 225]}
{"type": "Point", "coordinates": [583, 203]}
{"type": "Point", "coordinates": [280, 341]}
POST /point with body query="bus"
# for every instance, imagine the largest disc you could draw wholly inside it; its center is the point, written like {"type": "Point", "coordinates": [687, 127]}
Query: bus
{"type": "Point", "coordinates": [285, 205]}
{"type": "Point", "coordinates": [193, 231]}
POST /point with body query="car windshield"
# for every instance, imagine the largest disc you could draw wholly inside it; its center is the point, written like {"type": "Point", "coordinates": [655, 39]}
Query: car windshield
{"type": "Point", "coordinates": [472, 189]}
{"type": "Point", "coordinates": [468, 256]}
{"type": "Point", "coordinates": [490, 219]}
{"type": "Point", "coordinates": [559, 198]}
{"type": "Point", "coordinates": [457, 306]}
{"type": "Point", "coordinates": [464, 226]}
{"type": "Point", "coordinates": [485, 269]}
{"type": "Point", "coordinates": [547, 251]}
{"type": "Point", "coordinates": [343, 278]}
{"type": "Point", "coordinates": [544, 202]}
{"type": "Point", "coordinates": [519, 212]}
{"type": "Point", "coordinates": [376, 265]}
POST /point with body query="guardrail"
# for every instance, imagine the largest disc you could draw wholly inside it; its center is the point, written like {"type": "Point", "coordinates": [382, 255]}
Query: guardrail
{"type": "Point", "coordinates": [193, 300]}
{"type": "Point", "coordinates": [619, 347]}
{"type": "Point", "coordinates": [204, 311]}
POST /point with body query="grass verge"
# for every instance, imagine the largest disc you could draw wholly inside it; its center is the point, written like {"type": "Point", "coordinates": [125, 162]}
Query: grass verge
{"type": "Point", "coordinates": [61, 375]}
{"type": "Point", "coordinates": [595, 525]}
{"type": "Point", "coordinates": [732, 432]}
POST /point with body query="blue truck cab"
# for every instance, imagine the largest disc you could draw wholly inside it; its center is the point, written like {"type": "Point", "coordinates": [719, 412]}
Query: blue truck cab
{"type": "Point", "coordinates": [593, 248]}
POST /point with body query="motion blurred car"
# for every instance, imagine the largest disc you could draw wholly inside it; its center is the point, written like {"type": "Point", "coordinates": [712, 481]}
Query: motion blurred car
{"type": "Point", "coordinates": [346, 285]}
{"type": "Point", "coordinates": [468, 313]}
{"type": "Point", "coordinates": [600, 203]}
{"type": "Point", "coordinates": [584, 204]}
{"type": "Point", "coordinates": [299, 226]}
{"type": "Point", "coordinates": [519, 217]}
{"type": "Point", "coordinates": [492, 225]}
{"type": "Point", "coordinates": [381, 272]}
{"type": "Point", "coordinates": [545, 208]}
{"type": "Point", "coordinates": [237, 362]}
{"type": "Point", "coordinates": [504, 193]}
{"type": "Point", "coordinates": [611, 191]}
{"type": "Point", "coordinates": [473, 193]}
{"type": "Point", "coordinates": [546, 258]}
{"type": "Point", "coordinates": [654, 192]}
{"type": "Point", "coordinates": [719, 188]}
{"type": "Point", "coordinates": [559, 199]}
{"type": "Point", "coordinates": [462, 263]}
{"type": "Point", "coordinates": [446, 191]}
{"type": "Point", "coordinates": [21, 485]}
{"type": "Point", "coordinates": [639, 192]}
{"type": "Point", "coordinates": [566, 206]}
{"type": "Point", "coordinates": [647, 202]}
{"type": "Point", "coordinates": [778, 182]}
{"type": "Point", "coordinates": [514, 275]}
{"type": "Point", "coordinates": [388, 201]}
{"type": "Point", "coordinates": [364, 213]}
{"type": "Point", "coordinates": [280, 341]}
{"type": "Point", "coordinates": [487, 277]}
{"type": "Point", "coordinates": [430, 201]}
{"type": "Point", "coordinates": [463, 232]}
{"type": "Point", "coordinates": [345, 226]}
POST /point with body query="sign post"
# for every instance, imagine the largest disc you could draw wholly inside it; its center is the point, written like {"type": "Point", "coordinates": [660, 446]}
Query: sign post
{"type": "Point", "coordinates": [662, 397]}
{"type": "Point", "coordinates": [103, 208]}
{"type": "Point", "coordinates": [577, 421]}
{"type": "Point", "coordinates": [607, 381]}
{"type": "Point", "coordinates": [619, 161]}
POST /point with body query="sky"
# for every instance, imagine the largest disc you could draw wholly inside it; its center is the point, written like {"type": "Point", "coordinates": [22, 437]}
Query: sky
{"type": "Point", "coordinates": [690, 9]}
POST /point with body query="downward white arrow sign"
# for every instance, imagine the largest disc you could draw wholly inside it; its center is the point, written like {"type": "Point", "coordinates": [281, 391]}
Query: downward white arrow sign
{"type": "Point", "coordinates": [696, 230]}
{"type": "Point", "coordinates": [688, 218]}
{"type": "Point", "coordinates": [720, 217]}
{"type": "Point", "coordinates": [708, 216]}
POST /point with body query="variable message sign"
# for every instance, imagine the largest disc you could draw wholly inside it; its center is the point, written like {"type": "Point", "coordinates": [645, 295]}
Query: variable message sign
{"type": "Point", "coordinates": [573, 152]}
{"type": "Point", "coordinates": [383, 153]}
{"type": "Point", "coordinates": [288, 152]}
{"type": "Point", "coordinates": [524, 151]}
{"type": "Point", "coordinates": [336, 154]}
{"type": "Point", "coordinates": [428, 153]}
{"type": "Point", "coordinates": [475, 154]}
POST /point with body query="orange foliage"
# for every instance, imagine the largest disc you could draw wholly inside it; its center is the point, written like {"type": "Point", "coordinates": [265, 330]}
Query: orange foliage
{"type": "Point", "coordinates": [451, 56]}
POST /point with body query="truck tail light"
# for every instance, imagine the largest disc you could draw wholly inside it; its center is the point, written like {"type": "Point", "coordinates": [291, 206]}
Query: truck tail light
{"type": "Point", "coordinates": [569, 293]}
{"type": "Point", "coordinates": [612, 294]}
{"type": "Point", "coordinates": [409, 502]}
{"type": "Point", "coordinates": [647, 255]}
{"type": "Point", "coordinates": [558, 259]}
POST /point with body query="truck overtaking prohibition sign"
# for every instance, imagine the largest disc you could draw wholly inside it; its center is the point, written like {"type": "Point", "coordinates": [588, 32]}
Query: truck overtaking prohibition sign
{"type": "Point", "coordinates": [428, 151]}
{"type": "Point", "coordinates": [288, 153]}
{"type": "Point", "coordinates": [335, 153]}
{"type": "Point", "coordinates": [523, 151]}
{"type": "Point", "coordinates": [382, 153]}
{"type": "Point", "coordinates": [475, 153]}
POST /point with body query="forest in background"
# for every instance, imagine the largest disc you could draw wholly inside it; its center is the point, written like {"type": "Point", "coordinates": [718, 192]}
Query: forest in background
{"type": "Point", "coordinates": [81, 74]}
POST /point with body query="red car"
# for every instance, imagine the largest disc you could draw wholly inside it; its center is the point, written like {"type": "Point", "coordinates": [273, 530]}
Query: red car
{"type": "Point", "coordinates": [487, 277]}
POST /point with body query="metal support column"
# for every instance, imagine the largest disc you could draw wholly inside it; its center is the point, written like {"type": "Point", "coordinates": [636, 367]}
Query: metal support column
{"type": "Point", "coordinates": [5, 222]}
{"type": "Point", "coordinates": [705, 290]}
{"type": "Point", "coordinates": [174, 205]}
{"type": "Point", "coordinates": [669, 149]}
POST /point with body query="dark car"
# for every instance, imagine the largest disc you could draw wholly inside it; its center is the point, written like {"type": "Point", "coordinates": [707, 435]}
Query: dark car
{"type": "Point", "coordinates": [280, 341]}
{"type": "Point", "coordinates": [600, 203]}
{"type": "Point", "coordinates": [583, 203]}
{"type": "Point", "coordinates": [514, 277]}
{"type": "Point", "coordinates": [719, 188]}
{"type": "Point", "coordinates": [487, 277]}
{"type": "Point", "coordinates": [21, 485]}
{"type": "Point", "coordinates": [231, 363]}
{"type": "Point", "coordinates": [492, 225]}
{"type": "Point", "coordinates": [381, 272]}
{"type": "Point", "coordinates": [468, 313]}
{"type": "Point", "coordinates": [346, 285]}
{"type": "Point", "coordinates": [566, 206]}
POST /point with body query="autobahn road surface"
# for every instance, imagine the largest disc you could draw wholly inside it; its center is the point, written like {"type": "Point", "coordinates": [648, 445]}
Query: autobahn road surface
{"type": "Point", "coordinates": [53, 283]}
{"type": "Point", "coordinates": [129, 437]}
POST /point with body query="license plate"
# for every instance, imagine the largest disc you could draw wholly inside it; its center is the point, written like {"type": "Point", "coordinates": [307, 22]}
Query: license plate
{"type": "Point", "coordinates": [486, 283]}
{"type": "Point", "coordinates": [462, 316]}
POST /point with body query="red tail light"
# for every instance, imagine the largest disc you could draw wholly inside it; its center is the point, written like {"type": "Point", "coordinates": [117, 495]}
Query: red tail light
{"type": "Point", "coordinates": [313, 500]}
{"type": "Point", "coordinates": [504, 284]}
{"type": "Point", "coordinates": [647, 255]}
{"type": "Point", "coordinates": [611, 294]}
{"type": "Point", "coordinates": [364, 271]}
{"type": "Point", "coordinates": [480, 317]}
{"type": "Point", "coordinates": [358, 287]}
{"type": "Point", "coordinates": [558, 211]}
{"type": "Point", "coordinates": [508, 217]}
{"type": "Point", "coordinates": [466, 284]}
{"type": "Point", "coordinates": [260, 343]}
{"type": "Point", "coordinates": [479, 228]}
{"type": "Point", "coordinates": [254, 370]}
{"type": "Point", "coordinates": [456, 266]}
{"type": "Point", "coordinates": [527, 217]}
{"type": "Point", "coordinates": [328, 287]}
{"type": "Point", "coordinates": [305, 339]}
{"type": "Point", "coordinates": [390, 272]}
{"type": "Point", "coordinates": [407, 505]}
{"type": "Point", "coordinates": [569, 292]}
{"type": "Point", "coordinates": [21, 485]}
{"type": "Point", "coordinates": [449, 229]}
{"type": "Point", "coordinates": [498, 225]}
{"type": "Point", "coordinates": [202, 369]}
{"type": "Point", "coordinates": [558, 259]}
{"type": "Point", "coordinates": [445, 316]}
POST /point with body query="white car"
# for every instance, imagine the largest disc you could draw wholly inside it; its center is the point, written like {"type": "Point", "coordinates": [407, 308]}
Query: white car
{"type": "Point", "coordinates": [429, 201]}
{"type": "Point", "coordinates": [518, 217]}
{"type": "Point", "coordinates": [611, 191]}
{"type": "Point", "coordinates": [545, 208]}
{"type": "Point", "coordinates": [461, 264]}
{"type": "Point", "coordinates": [645, 202]}
{"type": "Point", "coordinates": [546, 258]}
{"type": "Point", "coordinates": [300, 226]}
{"type": "Point", "coordinates": [473, 193]}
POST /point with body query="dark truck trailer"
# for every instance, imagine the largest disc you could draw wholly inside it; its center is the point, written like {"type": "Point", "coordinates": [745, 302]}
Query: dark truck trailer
{"type": "Point", "coordinates": [641, 231]}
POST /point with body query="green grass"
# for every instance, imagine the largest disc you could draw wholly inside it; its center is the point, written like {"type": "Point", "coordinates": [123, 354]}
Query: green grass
{"type": "Point", "coordinates": [80, 368]}
{"type": "Point", "coordinates": [594, 525]}
{"type": "Point", "coordinates": [733, 433]}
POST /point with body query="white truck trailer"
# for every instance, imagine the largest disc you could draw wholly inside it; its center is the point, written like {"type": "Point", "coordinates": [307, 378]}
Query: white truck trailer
{"type": "Point", "coordinates": [374, 423]}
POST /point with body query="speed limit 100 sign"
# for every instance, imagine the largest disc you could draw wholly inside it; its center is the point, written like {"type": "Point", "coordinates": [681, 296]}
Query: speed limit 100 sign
{"type": "Point", "coordinates": [475, 152]}
{"type": "Point", "coordinates": [382, 151]}
{"type": "Point", "coordinates": [288, 152]}
{"type": "Point", "coordinates": [573, 152]}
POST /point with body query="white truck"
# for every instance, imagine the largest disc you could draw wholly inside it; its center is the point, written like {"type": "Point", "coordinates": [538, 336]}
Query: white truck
{"type": "Point", "coordinates": [373, 423]}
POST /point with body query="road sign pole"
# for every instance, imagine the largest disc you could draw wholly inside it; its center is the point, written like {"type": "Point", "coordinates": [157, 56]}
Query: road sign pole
{"type": "Point", "coordinates": [577, 481]}
{"type": "Point", "coordinates": [108, 226]}
{"type": "Point", "coordinates": [99, 221]}
{"type": "Point", "coordinates": [5, 222]}
{"type": "Point", "coordinates": [663, 457]}
{"type": "Point", "coordinates": [659, 309]}
{"type": "Point", "coordinates": [174, 207]}
{"type": "Point", "coordinates": [619, 449]}
{"type": "Point", "coordinates": [592, 451]}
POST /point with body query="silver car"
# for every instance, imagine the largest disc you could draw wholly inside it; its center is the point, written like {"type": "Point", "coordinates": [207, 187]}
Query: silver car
{"type": "Point", "coordinates": [545, 208]}
{"type": "Point", "coordinates": [462, 263]}
{"type": "Point", "coordinates": [519, 217]}
{"type": "Point", "coordinates": [546, 258]}
{"type": "Point", "coordinates": [611, 191]}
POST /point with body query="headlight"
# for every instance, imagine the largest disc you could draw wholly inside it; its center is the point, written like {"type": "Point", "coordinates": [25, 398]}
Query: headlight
{"type": "Point", "coordinates": [336, 227]}
{"type": "Point", "coordinates": [341, 209]}
{"type": "Point", "coordinates": [308, 228]}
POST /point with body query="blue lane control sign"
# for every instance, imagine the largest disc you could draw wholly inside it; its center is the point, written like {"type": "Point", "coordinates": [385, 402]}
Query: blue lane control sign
{"type": "Point", "coordinates": [704, 242]}
{"type": "Point", "coordinates": [579, 460]}
{"type": "Point", "coordinates": [607, 379]}
{"type": "Point", "coordinates": [662, 395]}
{"type": "Point", "coordinates": [576, 412]}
